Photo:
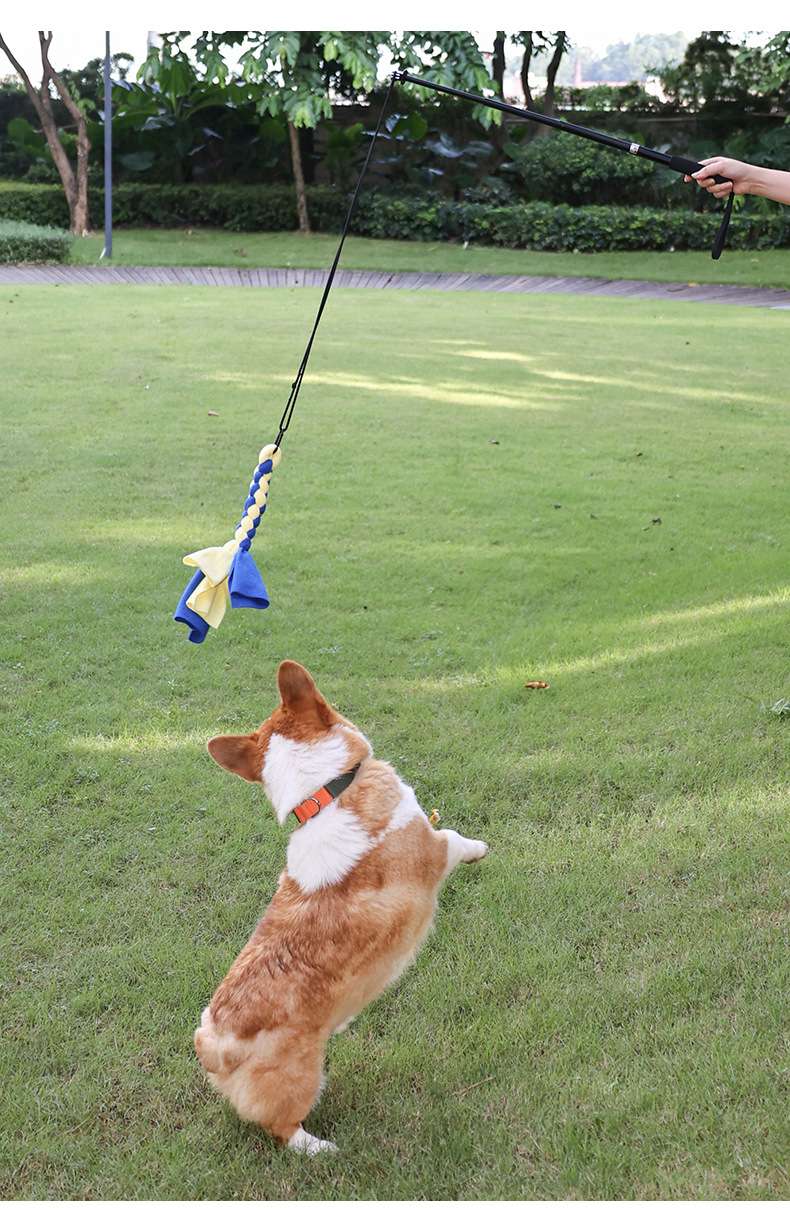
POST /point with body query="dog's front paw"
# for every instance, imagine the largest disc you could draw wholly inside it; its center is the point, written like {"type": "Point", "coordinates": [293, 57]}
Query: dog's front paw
{"type": "Point", "coordinates": [477, 851]}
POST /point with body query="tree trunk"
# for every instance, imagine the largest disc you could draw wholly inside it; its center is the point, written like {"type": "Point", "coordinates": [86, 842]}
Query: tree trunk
{"type": "Point", "coordinates": [79, 212]}
{"type": "Point", "coordinates": [301, 195]}
{"type": "Point", "coordinates": [307, 149]}
{"type": "Point", "coordinates": [560, 46]}
{"type": "Point", "coordinates": [75, 187]}
{"type": "Point", "coordinates": [525, 65]}
{"type": "Point", "coordinates": [498, 64]}
{"type": "Point", "coordinates": [498, 80]}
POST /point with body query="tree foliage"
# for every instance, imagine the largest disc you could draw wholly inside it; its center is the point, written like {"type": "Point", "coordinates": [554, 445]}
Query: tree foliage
{"type": "Point", "coordinates": [628, 61]}
{"type": "Point", "coordinates": [717, 72]}
{"type": "Point", "coordinates": [446, 57]}
{"type": "Point", "coordinates": [86, 84]}
{"type": "Point", "coordinates": [167, 117]}
{"type": "Point", "coordinates": [767, 68]}
{"type": "Point", "coordinates": [295, 73]}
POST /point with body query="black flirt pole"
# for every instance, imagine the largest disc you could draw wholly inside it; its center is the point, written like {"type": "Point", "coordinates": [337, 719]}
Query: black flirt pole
{"type": "Point", "coordinates": [675, 163]}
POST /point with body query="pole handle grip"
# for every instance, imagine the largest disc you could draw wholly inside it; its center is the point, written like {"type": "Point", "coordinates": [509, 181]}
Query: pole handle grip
{"type": "Point", "coordinates": [689, 167]}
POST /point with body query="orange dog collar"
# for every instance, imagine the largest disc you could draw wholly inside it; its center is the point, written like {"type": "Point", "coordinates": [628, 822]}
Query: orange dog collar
{"type": "Point", "coordinates": [312, 805]}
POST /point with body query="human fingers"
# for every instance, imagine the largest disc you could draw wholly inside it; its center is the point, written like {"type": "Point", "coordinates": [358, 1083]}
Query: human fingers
{"type": "Point", "coordinates": [721, 191]}
{"type": "Point", "coordinates": [712, 168]}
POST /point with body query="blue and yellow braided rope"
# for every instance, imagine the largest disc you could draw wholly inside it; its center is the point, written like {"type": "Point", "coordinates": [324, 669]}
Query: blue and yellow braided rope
{"type": "Point", "coordinates": [228, 574]}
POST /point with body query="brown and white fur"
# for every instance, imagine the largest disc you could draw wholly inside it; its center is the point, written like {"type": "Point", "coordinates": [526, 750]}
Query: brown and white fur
{"type": "Point", "coordinates": [352, 907]}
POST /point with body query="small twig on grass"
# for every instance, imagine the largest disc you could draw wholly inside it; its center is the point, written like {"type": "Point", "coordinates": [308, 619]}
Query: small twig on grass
{"type": "Point", "coordinates": [477, 1084]}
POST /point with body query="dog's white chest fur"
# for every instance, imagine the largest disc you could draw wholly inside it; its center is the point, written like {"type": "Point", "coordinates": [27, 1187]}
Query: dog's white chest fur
{"type": "Point", "coordinates": [294, 769]}
{"type": "Point", "coordinates": [324, 850]}
{"type": "Point", "coordinates": [327, 847]}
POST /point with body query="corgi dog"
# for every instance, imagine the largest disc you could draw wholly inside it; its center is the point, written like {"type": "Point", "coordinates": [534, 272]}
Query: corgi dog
{"type": "Point", "coordinates": [354, 903]}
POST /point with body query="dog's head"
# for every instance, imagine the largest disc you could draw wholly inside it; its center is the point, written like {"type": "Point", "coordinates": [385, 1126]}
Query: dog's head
{"type": "Point", "coordinates": [303, 744]}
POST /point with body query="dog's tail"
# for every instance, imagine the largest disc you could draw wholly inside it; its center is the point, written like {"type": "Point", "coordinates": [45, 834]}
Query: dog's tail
{"type": "Point", "coordinates": [219, 1055]}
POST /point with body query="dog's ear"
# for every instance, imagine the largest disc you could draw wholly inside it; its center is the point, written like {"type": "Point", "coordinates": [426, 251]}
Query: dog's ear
{"type": "Point", "coordinates": [301, 697]}
{"type": "Point", "coordinates": [297, 689]}
{"type": "Point", "coordinates": [239, 754]}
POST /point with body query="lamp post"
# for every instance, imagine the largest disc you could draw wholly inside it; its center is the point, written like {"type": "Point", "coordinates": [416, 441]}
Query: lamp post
{"type": "Point", "coordinates": [107, 250]}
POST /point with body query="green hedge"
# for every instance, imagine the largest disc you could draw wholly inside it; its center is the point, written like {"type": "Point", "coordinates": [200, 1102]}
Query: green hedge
{"type": "Point", "coordinates": [234, 207]}
{"type": "Point", "coordinates": [26, 242]}
{"type": "Point", "coordinates": [542, 226]}
{"type": "Point", "coordinates": [413, 216]}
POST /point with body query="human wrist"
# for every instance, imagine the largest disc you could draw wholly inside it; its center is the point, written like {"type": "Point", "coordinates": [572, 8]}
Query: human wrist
{"type": "Point", "coordinates": [757, 180]}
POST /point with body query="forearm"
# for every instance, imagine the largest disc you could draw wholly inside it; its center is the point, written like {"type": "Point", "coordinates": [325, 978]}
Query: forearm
{"type": "Point", "coordinates": [769, 183]}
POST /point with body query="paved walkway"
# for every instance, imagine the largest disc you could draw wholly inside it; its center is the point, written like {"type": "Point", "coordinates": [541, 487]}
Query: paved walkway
{"type": "Point", "coordinates": [371, 279]}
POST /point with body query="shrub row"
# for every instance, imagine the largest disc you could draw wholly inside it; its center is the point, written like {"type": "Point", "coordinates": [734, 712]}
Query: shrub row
{"type": "Point", "coordinates": [543, 226]}
{"type": "Point", "coordinates": [234, 207]}
{"type": "Point", "coordinates": [414, 216]}
{"type": "Point", "coordinates": [26, 242]}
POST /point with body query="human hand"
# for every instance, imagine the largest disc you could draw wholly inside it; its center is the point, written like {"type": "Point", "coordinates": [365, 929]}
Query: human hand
{"type": "Point", "coordinates": [738, 176]}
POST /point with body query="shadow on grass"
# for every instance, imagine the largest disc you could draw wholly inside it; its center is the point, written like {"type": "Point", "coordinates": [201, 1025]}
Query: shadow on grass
{"type": "Point", "coordinates": [530, 747]}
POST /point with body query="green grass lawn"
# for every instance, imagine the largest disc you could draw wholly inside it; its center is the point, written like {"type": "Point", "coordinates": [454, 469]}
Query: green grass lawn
{"type": "Point", "coordinates": [476, 491]}
{"type": "Point", "coordinates": [290, 249]}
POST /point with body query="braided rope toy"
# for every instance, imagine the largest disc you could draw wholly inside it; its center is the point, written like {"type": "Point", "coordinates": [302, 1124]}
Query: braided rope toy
{"type": "Point", "coordinates": [228, 573]}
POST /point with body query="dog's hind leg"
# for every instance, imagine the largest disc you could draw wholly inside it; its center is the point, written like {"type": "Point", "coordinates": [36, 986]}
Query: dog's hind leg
{"type": "Point", "coordinates": [461, 849]}
{"type": "Point", "coordinates": [286, 1093]}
